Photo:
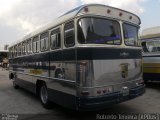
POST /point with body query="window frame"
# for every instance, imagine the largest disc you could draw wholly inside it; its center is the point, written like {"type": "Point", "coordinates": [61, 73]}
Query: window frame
{"type": "Point", "coordinates": [13, 51]}
{"type": "Point", "coordinates": [24, 50]}
{"type": "Point", "coordinates": [16, 50]}
{"type": "Point", "coordinates": [45, 39]}
{"type": "Point", "coordinates": [36, 40]}
{"type": "Point", "coordinates": [67, 23]}
{"type": "Point", "coordinates": [134, 25]}
{"type": "Point", "coordinates": [29, 46]}
{"type": "Point", "coordinates": [19, 49]}
{"type": "Point", "coordinates": [55, 31]}
{"type": "Point", "coordinates": [109, 19]}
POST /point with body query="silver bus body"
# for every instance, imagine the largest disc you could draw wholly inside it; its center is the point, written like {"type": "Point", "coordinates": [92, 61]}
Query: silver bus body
{"type": "Point", "coordinates": [83, 74]}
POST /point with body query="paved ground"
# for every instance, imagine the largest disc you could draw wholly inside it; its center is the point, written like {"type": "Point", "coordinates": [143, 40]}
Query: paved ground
{"type": "Point", "coordinates": [13, 102]}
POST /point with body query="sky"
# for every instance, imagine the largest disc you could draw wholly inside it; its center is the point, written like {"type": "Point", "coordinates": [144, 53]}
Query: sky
{"type": "Point", "coordinates": [20, 17]}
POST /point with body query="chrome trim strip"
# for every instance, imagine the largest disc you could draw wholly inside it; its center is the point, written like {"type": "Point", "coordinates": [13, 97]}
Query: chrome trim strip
{"type": "Point", "coordinates": [56, 79]}
{"type": "Point", "coordinates": [107, 46]}
{"type": "Point", "coordinates": [109, 85]}
{"type": "Point", "coordinates": [63, 80]}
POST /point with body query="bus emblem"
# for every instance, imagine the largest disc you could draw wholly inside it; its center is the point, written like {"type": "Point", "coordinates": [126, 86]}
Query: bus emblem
{"type": "Point", "coordinates": [124, 70]}
{"type": "Point", "coordinates": [124, 54]}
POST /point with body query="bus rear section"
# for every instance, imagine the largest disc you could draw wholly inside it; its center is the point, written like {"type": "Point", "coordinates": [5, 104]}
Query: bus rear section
{"type": "Point", "coordinates": [109, 66]}
{"type": "Point", "coordinates": [109, 80]}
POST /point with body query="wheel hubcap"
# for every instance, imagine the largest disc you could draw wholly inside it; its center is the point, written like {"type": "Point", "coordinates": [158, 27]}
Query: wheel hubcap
{"type": "Point", "coordinates": [44, 94]}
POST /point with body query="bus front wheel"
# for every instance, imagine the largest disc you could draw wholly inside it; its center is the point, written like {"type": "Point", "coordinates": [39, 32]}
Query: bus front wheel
{"type": "Point", "coordinates": [44, 96]}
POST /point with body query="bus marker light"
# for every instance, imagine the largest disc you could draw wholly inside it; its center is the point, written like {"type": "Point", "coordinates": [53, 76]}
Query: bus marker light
{"type": "Point", "coordinates": [104, 91]}
{"type": "Point", "coordinates": [120, 14]}
{"type": "Point", "coordinates": [137, 84]}
{"type": "Point", "coordinates": [109, 89]}
{"type": "Point", "coordinates": [130, 17]}
{"type": "Point", "coordinates": [108, 11]}
{"type": "Point", "coordinates": [86, 9]}
{"type": "Point", "coordinates": [85, 93]}
{"type": "Point", "coordinates": [99, 92]}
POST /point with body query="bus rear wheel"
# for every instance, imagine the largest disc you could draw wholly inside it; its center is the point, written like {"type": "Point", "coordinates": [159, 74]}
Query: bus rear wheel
{"type": "Point", "coordinates": [44, 96]}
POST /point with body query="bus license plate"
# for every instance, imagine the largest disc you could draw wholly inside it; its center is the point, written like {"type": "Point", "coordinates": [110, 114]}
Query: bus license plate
{"type": "Point", "coordinates": [125, 91]}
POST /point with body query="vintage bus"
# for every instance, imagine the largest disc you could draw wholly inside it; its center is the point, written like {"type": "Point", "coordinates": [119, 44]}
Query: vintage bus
{"type": "Point", "coordinates": [3, 55]}
{"type": "Point", "coordinates": [150, 40]}
{"type": "Point", "coordinates": [88, 58]}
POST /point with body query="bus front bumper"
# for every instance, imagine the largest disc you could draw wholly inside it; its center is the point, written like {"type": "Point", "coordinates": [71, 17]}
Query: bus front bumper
{"type": "Point", "coordinates": [102, 102]}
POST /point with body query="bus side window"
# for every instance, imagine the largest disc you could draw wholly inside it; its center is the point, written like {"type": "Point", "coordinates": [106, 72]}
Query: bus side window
{"type": "Point", "coordinates": [19, 49]}
{"type": "Point", "coordinates": [29, 47]}
{"type": "Point", "coordinates": [158, 48]}
{"type": "Point", "coordinates": [69, 34]}
{"type": "Point", "coordinates": [12, 54]}
{"type": "Point", "coordinates": [55, 39]}
{"type": "Point", "coordinates": [24, 48]}
{"type": "Point", "coordinates": [44, 41]}
{"type": "Point", "coordinates": [16, 51]}
{"type": "Point", "coordinates": [35, 44]}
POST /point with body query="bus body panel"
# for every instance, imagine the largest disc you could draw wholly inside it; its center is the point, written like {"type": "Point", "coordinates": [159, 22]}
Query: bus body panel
{"type": "Point", "coordinates": [151, 66]}
{"type": "Point", "coordinates": [62, 82]}
{"type": "Point", "coordinates": [31, 68]}
{"type": "Point", "coordinates": [108, 69]}
{"type": "Point", "coordinates": [118, 74]}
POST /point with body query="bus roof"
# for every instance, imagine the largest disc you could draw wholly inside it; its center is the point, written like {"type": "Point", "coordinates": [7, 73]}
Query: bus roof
{"type": "Point", "coordinates": [88, 9]}
{"type": "Point", "coordinates": [3, 51]}
{"type": "Point", "coordinates": [153, 32]}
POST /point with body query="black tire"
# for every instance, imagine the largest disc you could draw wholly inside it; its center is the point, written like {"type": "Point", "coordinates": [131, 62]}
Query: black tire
{"type": "Point", "coordinates": [15, 85]}
{"type": "Point", "coordinates": [43, 94]}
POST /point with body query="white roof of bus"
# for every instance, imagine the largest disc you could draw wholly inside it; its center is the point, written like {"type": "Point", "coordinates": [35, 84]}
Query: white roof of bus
{"type": "Point", "coordinates": [3, 50]}
{"type": "Point", "coordinates": [152, 32]}
{"type": "Point", "coordinates": [94, 9]}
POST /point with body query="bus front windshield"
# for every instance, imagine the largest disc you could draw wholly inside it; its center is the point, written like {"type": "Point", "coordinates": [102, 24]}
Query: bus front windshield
{"type": "Point", "coordinates": [98, 31]}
